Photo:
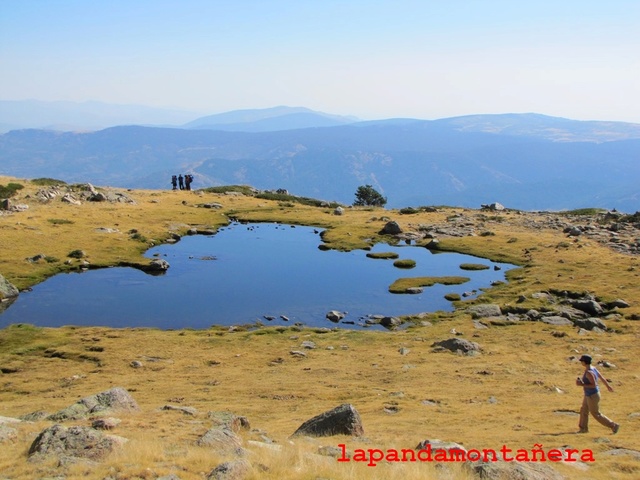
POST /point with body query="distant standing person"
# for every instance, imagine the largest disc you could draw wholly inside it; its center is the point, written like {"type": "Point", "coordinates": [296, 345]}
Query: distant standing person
{"type": "Point", "coordinates": [181, 182]}
{"type": "Point", "coordinates": [187, 181]}
{"type": "Point", "coordinates": [591, 401]}
{"type": "Point", "coordinates": [174, 182]}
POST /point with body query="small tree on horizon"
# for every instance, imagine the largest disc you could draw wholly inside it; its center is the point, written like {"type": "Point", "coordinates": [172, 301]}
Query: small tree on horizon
{"type": "Point", "coordinates": [366, 195]}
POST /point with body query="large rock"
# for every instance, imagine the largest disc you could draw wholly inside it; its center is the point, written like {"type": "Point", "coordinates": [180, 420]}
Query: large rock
{"type": "Point", "coordinates": [434, 244]}
{"type": "Point", "coordinates": [223, 440]}
{"type": "Point", "coordinates": [436, 445]}
{"type": "Point", "coordinates": [9, 421]}
{"type": "Point", "coordinates": [68, 444]}
{"type": "Point", "coordinates": [70, 199]}
{"type": "Point", "coordinates": [573, 231]}
{"type": "Point", "coordinates": [234, 470]}
{"type": "Point", "coordinates": [515, 471]}
{"type": "Point", "coordinates": [590, 307]}
{"type": "Point", "coordinates": [619, 303]}
{"type": "Point", "coordinates": [47, 194]}
{"type": "Point", "coordinates": [496, 207]}
{"type": "Point", "coordinates": [157, 265]}
{"type": "Point", "coordinates": [7, 433]}
{"type": "Point", "coordinates": [484, 310]}
{"type": "Point", "coordinates": [457, 344]}
{"type": "Point", "coordinates": [229, 420]}
{"type": "Point", "coordinates": [334, 316]}
{"type": "Point", "coordinates": [390, 322]}
{"type": "Point", "coordinates": [342, 420]}
{"type": "Point", "coordinates": [556, 320]}
{"type": "Point", "coordinates": [589, 323]}
{"type": "Point", "coordinates": [7, 289]}
{"type": "Point", "coordinates": [391, 228]}
{"type": "Point", "coordinates": [98, 197]}
{"type": "Point", "coordinates": [116, 399]}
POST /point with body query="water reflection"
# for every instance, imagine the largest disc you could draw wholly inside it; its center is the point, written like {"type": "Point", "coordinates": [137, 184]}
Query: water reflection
{"type": "Point", "coordinates": [242, 274]}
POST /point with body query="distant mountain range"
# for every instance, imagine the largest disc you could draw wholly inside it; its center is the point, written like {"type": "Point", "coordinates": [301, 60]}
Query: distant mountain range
{"type": "Point", "coordinates": [269, 120]}
{"type": "Point", "coordinates": [85, 116]}
{"type": "Point", "coordinates": [92, 116]}
{"type": "Point", "coordinates": [524, 161]}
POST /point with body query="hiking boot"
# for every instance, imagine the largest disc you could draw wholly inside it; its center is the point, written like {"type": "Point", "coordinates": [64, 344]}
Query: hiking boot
{"type": "Point", "coordinates": [583, 430]}
{"type": "Point", "coordinates": [615, 428]}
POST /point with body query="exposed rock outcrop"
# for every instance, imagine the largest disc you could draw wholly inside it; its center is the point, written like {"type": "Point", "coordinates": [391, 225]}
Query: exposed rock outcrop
{"type": "Point", "coordinates": [7, 289]}
{"type": "Point", "coordinates": [116, 399]}
{"type": "Point", "coordinates": [342, 420]}
{"type": "Point", "coordinates": [233, 470]}
{"type": "Point", "coordinates": [457, 344]}
{"type": "Point", "coordinates": [484, 310]}
{"type": "Point", "coordinates": [223, 440]}
{"type": "Point", "coordinates": [73, 443]}
{"type": "Point", "coordinates": [335, 316]}
{"type": "Point", "coordinates": [515, 471]}
{"type": "Point", "coordinates": [391, 228]}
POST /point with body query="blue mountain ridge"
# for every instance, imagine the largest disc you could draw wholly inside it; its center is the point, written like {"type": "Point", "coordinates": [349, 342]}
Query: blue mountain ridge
{"type": "Point", "coordinates": [524, 161]}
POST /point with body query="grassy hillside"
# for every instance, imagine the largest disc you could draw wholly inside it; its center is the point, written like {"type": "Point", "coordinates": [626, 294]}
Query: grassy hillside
{"type": "Point", "coordinates": [518, 392]}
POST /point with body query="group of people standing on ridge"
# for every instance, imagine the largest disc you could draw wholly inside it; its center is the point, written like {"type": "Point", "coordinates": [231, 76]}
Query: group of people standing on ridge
{"type": "Point", "coordinates": [184, 183]}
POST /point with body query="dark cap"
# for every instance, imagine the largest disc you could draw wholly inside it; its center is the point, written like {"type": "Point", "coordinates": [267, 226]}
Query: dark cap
{"type": "Point", "coordinates": [586, 359]}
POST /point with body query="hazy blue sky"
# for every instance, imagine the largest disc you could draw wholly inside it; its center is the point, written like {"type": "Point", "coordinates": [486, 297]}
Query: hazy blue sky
{"type": "Point", "coordinates": [369, 58]}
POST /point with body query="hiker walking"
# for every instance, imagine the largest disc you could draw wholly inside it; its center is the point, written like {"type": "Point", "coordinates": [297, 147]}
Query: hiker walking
{"type": "Point", "coordinates": [181, 182]}
{"type": "Point", "coordinates": [174, 182]}
{"type": "Point", "coordinates": [591, 401]}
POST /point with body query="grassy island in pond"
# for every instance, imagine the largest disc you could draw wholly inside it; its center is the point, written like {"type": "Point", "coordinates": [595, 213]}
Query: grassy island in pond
{"type": "Point", "coordinates": [474, 266]}
{"type": "Point", "coordinates": [404, 263]}
{"type": "Point", "coordinates": [403, 284]}
{"type": "Point", "coordinates": [383, 255]}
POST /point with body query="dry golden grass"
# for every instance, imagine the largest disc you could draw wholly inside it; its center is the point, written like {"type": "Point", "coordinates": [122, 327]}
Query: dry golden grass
{"type": "Point", "coordinates": [253, 374]}
{"type": "Point", "coordinates": [527, 370]}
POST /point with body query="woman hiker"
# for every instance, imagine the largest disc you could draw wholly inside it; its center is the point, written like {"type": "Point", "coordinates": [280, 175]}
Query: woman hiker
{"type": "Point", "coordinates": [590, 403]}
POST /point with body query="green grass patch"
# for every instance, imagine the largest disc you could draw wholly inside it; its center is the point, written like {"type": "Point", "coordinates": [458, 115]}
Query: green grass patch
{"type": "Point", "coordinates": [631, 218]}
{"type": "Point", "coordinates": [21, 338]}
{"type": "Point", "coordinates": [138, 236]}
{"type": "Point", "coordinates": [10, 189]}
{"type": "Point", "coordinates": [292, 199]}
{"type": "Point", "coordinates": [583, 211]}
{"type": "Point", "coordinates": [402, 284]}
{"type": "Point", "coordinates": [47, 182]}
{"type": "Point", "coordinates": [452, 297]}
{"type": "Point", "coordinates": [59, 221]}
{"type": "Point", "coordinates": [490, 218]}
{"type": "Point", "coordinates": [408, 211]}
{"type": "Point", "coordinates": [383, 255]}
{"type": "Point", "coordinates": [285, 199]}
{"type": "Point", "coordinates": [243, 189]}
{"type": "Point", "coordinates": [404, 263]}
{"type": "Point", "coordinates": [473, 266]}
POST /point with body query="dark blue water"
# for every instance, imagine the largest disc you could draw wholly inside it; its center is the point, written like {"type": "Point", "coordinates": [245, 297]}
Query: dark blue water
{"type": "Point", "coordinates": [240, 275]}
